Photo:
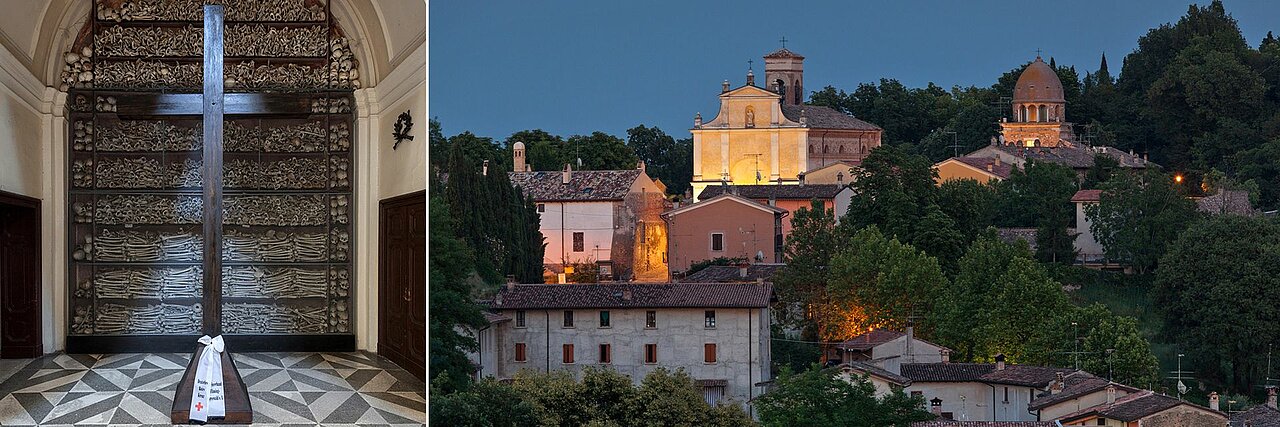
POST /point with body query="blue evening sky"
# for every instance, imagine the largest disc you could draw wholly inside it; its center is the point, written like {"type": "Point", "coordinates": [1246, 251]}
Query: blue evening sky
{"type": "Point", "coordinates": [573, 67]}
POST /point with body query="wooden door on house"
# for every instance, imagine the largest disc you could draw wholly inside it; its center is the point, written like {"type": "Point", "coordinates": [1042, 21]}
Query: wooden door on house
{"type": "Point", "coordinates": [402, 277]}
{"type": "Point", "coordinates": [20, 330]}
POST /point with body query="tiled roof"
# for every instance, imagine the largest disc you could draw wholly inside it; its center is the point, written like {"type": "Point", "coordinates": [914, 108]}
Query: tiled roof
{"type": "Point", "coordinates": [948, 423]}
{"type": "Point", "coordinates": [878, 371]}
{"type": "Point", "coordinates": [1023, 375]}
{"type": "Point", "coordinates": [1257, 416]}
{"type": "Point", "coordinates": [783, 53]}
{"type": "Point", "coordinates": [582, 186]}
{"type": "Point", "coordinates": [1078, 384]}
{"type": "Point", "coordinates": [869, 340]}
{"type": "Point", "coordinates": [1075, 156]}
{"type": "Point", "coordinates": [634, 295]}
{"type": "Point", "coordinates": [1227, 201]}
{"type": "Point", "coordinates": [780, 192]}
{"type": "Point", "coordinates": [1087, 196]}
{"type": "Point", "coordinates": [1002, 170]}
{"type": "Point", "coordinates": [819, 117]}
{"type": "Point", "coordinates": [725, 197]}
{"type": "Point", "coordinates": [494, 317]}
{"type": "Point", "coordinates": [1012, 235]}
{"type": "Point", "coordinates": [1129, 408]}
{"type": "Point", "coordinates": [730, 274]}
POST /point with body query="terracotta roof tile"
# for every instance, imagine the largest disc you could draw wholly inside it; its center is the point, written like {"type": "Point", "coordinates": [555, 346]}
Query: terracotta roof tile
{"type": "Point", "coordinates": [783, 53]}
{"type": "Point", "coordinates": [1001, 170]}
{"type": "Point", "coordinates": [1129, 408]}
{"type": "Point", "coordinates": [1087, 196]}
{"type": "Point", "coordinates": [1024, 375]}
{"type": "Point", "coordinates": [1075, 156]}
{"type": "Point", "coordinates": [780, 192]}
{"type": "Point", "coordinates": [869, 340]}
{"type": "Point", "coordinates": [730, 274]}
{"type": "Point", "coordinates": [1257, 416]}
{"type": "Point", "coordinates": [1077, 384]}
{"type": "Point", "coordinates": [582, 186]}
{"type": "Point", "coordinates": [819, 117]}
{"type": "Point", "coordinates": [1227, 201]}
{"type": "Point", "coordinates": [634, 295]}
{"type": "Point", "coordinates": [949, 423]}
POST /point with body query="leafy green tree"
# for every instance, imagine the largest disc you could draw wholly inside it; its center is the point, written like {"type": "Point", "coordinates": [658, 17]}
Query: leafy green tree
{"type": "Point", "coordinates": [1025, 305]}
{"type": "Point", "coordinates": [1039, 195]}
{"type": "Point", "coordinates": [557, 398]}
{"type": "Point", "coordinates": [1138, 216]}
{"type": "Point", "coordinates": [1104, 167]}
{"type": "Point", "coordinates": [668, 397]}
{"type": "Point", "coordinates": [808, 250]}
{"type": "Point", "coordinates": [819, 397]}
{"type": "Point", "coordinates": [1108, 345]}
{"type": "Point", "coordinates": [665, 158]}
{"type": "Point", "coordinates": [970, 204]}
{"type": "Point", "coordinates": [889, 282]}
{"type": "Point", "coordinates": [487, 403]}
{"type": "Point", "coordinates": [964, 307]}
{"type": "Point", "coordinates": [894, 189]}
{"type": "Point", "coordinates": [1218, 291]}
{"type": "Point", "coordinates": [449, 265]}
{"type": "Point", "coordinates": [936, 234]}
{"type": "Point", "coordinates": [600, 151]}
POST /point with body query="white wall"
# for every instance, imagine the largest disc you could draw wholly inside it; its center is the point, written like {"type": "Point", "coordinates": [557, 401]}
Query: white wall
{"type": "Point", "coordinates": [973, 401]}
{"type": "Point", "coordinates": [560, 220]}
{"type": "Point", "coordinates": [1090, 249]}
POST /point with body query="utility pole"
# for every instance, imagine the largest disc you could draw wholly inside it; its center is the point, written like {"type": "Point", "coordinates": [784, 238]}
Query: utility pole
{"type": "Point", "coordinates": [1110, 372]}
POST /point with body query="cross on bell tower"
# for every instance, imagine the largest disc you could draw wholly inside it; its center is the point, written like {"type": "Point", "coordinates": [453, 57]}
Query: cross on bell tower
{"type": "Point", "coordinates": [783, 40]}
{"type": "Point", "coordinates": [784, 74]}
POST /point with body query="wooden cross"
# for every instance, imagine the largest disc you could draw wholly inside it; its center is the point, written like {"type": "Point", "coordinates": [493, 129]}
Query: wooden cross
{"type": "Point", "coordinates": [784, 42]}
{"type": "Point", "coordinates": [235, 393]}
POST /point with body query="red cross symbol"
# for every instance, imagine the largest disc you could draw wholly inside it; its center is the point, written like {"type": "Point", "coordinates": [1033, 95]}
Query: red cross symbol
{"type": "Point", "coordinates": [199, 406]}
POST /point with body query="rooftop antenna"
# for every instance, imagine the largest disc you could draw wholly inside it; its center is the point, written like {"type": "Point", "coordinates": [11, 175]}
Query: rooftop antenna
{"type": "Point", "coordinates": [955, 143]}
{"type": "Point", "coordinates": [1180, 375]}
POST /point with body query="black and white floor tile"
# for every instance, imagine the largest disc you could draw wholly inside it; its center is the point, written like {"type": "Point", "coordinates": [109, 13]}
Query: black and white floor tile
{"type": "Point", "coordinates": [287, 389]}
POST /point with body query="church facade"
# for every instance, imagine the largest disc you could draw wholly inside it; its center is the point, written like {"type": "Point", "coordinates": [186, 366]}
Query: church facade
{"type": "Point", "coordinates": [768, 136]}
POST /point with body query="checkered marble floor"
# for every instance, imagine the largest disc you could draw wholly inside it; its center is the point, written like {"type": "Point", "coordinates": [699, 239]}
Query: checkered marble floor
{"type": "Point", "coordinates": [331, 389]}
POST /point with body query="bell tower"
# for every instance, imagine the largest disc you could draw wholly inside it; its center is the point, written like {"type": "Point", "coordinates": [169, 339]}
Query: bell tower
{"type": "Point", "coordinates": [784, 73]}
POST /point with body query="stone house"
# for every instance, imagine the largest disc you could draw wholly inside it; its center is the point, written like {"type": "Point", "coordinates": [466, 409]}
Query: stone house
{"type": "Point", "coordinates": [718, 333]}
{"type": "Point", "coordinates": [883, 380]}
{"type": "Point", "coordinates": [727, 225]}
{"type": "Point", "coordinates": [608, 217]}
{"type": "Point", "coordinates": [789, 197]}
{"type": "Point", "coordinates": [888, 350]}
{"type": "Point", "coordinates": [1145, 409]}
{"type": "Point", "coordinates": [980, 391]}
{"type": "Point", "coordinates": [1078, 391]}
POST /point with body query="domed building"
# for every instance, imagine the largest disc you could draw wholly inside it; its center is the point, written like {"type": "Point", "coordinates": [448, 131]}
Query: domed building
{"type": "Point", "coordinates": [1039, 110]}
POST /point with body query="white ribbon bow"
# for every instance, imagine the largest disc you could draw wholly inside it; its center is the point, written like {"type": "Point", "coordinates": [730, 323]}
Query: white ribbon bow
{"type": "Point", "coordinates": [207, 397]}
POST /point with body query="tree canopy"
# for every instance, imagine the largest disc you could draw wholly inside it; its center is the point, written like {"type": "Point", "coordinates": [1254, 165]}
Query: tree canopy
{"type": "Point", "coordinates": [820, 398]}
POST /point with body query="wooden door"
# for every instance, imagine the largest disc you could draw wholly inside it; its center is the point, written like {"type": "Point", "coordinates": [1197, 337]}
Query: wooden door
{"type": "Point", "coordinates": [20, 330]}
{"type": "Point", "coordinates": [402, 281]}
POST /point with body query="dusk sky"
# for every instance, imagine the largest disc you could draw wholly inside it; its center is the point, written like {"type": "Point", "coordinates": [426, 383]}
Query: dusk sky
{"type": "Point", "coordinates": [573, 67]}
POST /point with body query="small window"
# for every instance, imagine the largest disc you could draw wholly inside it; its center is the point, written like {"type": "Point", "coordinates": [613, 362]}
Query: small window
{"type": "Point", "coordinates": [579, 242]}
{"type": "Point", "coordinates": [606, 353]}
{"type": "Point", "coordinates": [949, 415]}
{"type": "Point", "coordinates": [568, 318]}
{"type": "Point", "coordinates": [709, 353]}
{"type": "Point", "coordinates": [542, 207]}
{"type": "Point", "coordinates": [640, 232]}
{"type": "Point", "coordinates": [709, 319]}
{"type": "Point", "coordinates": [650, 353]}
{"type": "Point", "coordinates": [651, 319]}
{"type": "Point", "coordinates": [604, 318]}
{"type": "Point", "coordinates": [1102, 421]}
{"type": "Point", "coordinates": [1006, 395]}
{"type": "Point", "coordinates": [568, 353]}
{"type": "Point", "coordinates": [520, 319]}
{"type": "Point", "coordinates": [520, 356]}
{"type": "Point", "coordinates": [717, 242]}
{"type": "Point", "coordinates": [712, 394]}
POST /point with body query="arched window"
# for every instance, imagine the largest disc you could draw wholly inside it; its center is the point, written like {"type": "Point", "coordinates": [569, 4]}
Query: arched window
{"type": "Point", "coordinates": [798, 96]}
{"type": "Point", "coordinates": [1022, 115]}
{"type": "Point", "coordinates": [841, 148]}
{"type": "Point", "coordinates": [1044, 113]}
{"type": "Point", "coordinates": [810, 149]}
{"type": "Point", "coordinates": [826, 149]}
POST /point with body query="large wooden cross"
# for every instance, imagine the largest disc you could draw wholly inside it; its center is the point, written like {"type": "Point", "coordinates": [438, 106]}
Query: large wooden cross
{"type": "Point", "coordinates": [236, 394]}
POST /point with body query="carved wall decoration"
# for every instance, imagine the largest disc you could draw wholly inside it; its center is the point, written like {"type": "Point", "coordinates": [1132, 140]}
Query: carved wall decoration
{"type": "Point", "coordinates": [135, 202]}
{"type": "Point", "coordinates": [189, 10]}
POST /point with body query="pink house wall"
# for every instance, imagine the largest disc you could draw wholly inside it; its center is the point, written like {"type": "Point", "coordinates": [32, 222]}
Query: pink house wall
{"type": "Point", "coordinates": [746, 230]}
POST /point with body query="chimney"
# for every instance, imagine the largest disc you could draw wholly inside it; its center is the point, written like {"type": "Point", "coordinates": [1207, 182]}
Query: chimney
{"type": "Point", "coordinates": [724, 87]}
{"type": "Point", "coordinates": [1111, 393]}
{"type": "Point", "coordinates": [1271, 397]}
{"type": "Point", "coordinates": [484, 169]}
{"type": "Point", "coordinates": [759, 281]}
{"type": "Point", "coordinates": [742, 270]}
{"type": "Point", "coordinates": [1057, 385]}
{"type": "Point", "coordinates": [773, 200]}
{"type": "Point", "coordinates": [946, 355]}
{"type": "Point", "coordinates": [839, 177]}
{"type": "Point", "coordinates": [800, 176]}
{"type": "Point", "coordinates": [640, 166]}
{"type": "Point", "coordinates": [991, 167]}
{"type": "Point", "coordinates": [626, 295]}
{"type": "Point", "coordinates": [907, 343]}
{"type": "Point", "coordinates": [751, 78]}
{"type": "Point", "coordinates": [997, 160]}
{"type": "Point", "coordinates": [1000, 362]}
{"type": "Point", "coordinates": [566, 174]}
{"type": "Point", "coordinates": [1213, 401]}
{"type": "Point", "coordinates": [935, 406]}
{"type": "Point", "coordinates": [697, 121]}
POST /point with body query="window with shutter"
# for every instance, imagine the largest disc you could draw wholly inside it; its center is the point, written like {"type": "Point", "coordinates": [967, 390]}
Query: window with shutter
{"type": "Point", "coordinates": [606, 353]}
{"type": "Point", "coordinates": [568, 353]}
{"type": "Point", "coordinates": [709, 353]}
{"type": "Point", "coordinates": [650, 353]}
{"type": "Point", "coordinates": [520, 356]}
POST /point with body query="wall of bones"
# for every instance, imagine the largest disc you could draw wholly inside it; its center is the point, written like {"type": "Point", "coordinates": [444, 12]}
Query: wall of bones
{"type": "Point", "coordinates": [134, 203]}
